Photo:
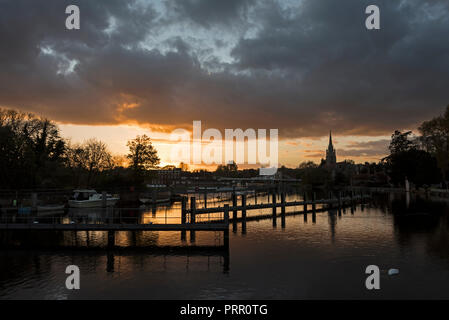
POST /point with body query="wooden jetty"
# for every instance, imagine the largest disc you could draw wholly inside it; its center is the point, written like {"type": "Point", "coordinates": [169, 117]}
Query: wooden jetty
{"type": "Point", "coordinates": [333, 202]}
{"type": "Point", "coordinates": [115, 227]}
{"type": "Point", "coordinates": [189, 216]}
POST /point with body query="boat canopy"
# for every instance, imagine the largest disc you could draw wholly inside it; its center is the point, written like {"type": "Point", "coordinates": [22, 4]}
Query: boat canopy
{"type": "Point", "coordinates": [84, 191]}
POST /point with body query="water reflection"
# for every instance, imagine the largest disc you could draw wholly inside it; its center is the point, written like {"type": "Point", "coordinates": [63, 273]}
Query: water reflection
{"type": "Point", "coordinates": [322, 259]}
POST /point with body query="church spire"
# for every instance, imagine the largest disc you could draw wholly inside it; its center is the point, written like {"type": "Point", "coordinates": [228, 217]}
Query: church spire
{"type": "Point", "coordinates": [331, 157]}
{"type": "Point", "coordinates": [331, 147]}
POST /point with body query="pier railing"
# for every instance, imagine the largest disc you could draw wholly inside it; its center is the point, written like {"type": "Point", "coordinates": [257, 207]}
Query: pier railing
{"type": "Point", "coordinates": [339, 201]}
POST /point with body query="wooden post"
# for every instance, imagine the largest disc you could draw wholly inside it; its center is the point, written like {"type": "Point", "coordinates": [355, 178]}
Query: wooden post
{"type": "Point", "coordinates": [255, 196]}
{"type": "Point", "coordinates": [226, 214]}
{"type": "Point", "coordinates": [305, 203]}
{"type": "Point", "coordinates": [283, 210]}
{"type": "Point", "coordinates": [243, 227]}
{"type": "Point", "coordinates": [192, 210]}
{"type": "Point", "coordinates": [234, 204]}
{"type": "Point", "coordinates": [205, 199]}
{"type": "Point", "coordinates": [339, 201]}
{"type": "Point", "coordinates": [154, 195]}
{"type": "Point", "coordinates": [103, 199]}
{"type": "Point", "coordinates": [283, 203]}
{"type": "Point", "coordinates": [34, 201]}
{"type": "Point", "coordinates": [314, 203]}
{"type": "Point", "coordinates": [111, 238]}
{"type": "Point", "coordinates": [274, 204]}
{"type": "Point", "coordinates": [243, 206]}
{"type": "Point", "coordinates": [183, 210]}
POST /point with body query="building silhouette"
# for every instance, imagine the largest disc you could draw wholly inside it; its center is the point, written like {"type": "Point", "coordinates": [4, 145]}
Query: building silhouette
{"type": "Point", "coordinates": [331, 156]}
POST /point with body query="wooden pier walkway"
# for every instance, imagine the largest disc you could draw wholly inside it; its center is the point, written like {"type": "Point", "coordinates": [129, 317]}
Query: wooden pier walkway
{"type": "Point", "coordinates": [115, 227]}
{"type": "Point", "coordinates": [220, 224]}
{"type": "Point", "coordinates": [308, 206]}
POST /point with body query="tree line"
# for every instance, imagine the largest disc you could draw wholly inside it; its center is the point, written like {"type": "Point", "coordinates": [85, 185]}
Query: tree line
{"type": "Point", "coordinates": [422, 159]}
{"type": "Point", "coordinates": [33, 154]}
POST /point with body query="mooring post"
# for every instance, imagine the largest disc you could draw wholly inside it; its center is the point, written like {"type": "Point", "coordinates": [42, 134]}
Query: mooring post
{"type": "Point", "coordinates": [314, 203]}
{"type": "Point", "coordinates": [274, 204]}
{"type": "Point", "coordinates": [243, 206]}
{"type": "Point", "coordinates": [192, 210]}
{"type": "Point", "coordinates": [283, 203]}
{"type": "Point", "coordinates": [192, 236]}
{"type": "Point", "coordinates": [34, 201]}
{"type": "Point", "coordinates": [103, 199]}
{"type": "Point", "coordinates": [183, 210]}
{"type": "Point", "coordinates": [255, 196]}
{"type": "Point", "coordinates": [234, 204]}
{"type": "Point", "coordinates": [339, 200]}
{"type": "Point", "coordinates": [205, 199]}
{"type": "Point", "coordinates": [111, 238]}
{"type": "Point", "coordinates": [226, 214]}
{"type": "Point", "coordinates": [283, 210]}
{"type": "Point", "coordinates": [305, 202]}
{"type": "Point", "coordinates": [154, 195]}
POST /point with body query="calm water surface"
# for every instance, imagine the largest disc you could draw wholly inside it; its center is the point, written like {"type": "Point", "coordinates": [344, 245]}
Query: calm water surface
{"type": "Point", "coordinates": [294, 259]}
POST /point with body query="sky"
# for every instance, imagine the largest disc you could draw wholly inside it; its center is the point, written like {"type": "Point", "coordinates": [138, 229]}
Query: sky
{"type": "Point", "coordinates": [303, 67]}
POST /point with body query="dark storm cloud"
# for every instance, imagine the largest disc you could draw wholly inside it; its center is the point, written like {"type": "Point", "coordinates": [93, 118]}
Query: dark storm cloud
{"type": "Point", "coordinates": [209, 12]}
{"type": "Point", "coordinates": [377, 148]}
{"type": "Point", "coordinates": [303, 69]}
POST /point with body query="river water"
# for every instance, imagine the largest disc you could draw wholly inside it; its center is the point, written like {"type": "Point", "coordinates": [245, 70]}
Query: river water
{"type": "Point", "coordinates": [295, 258]}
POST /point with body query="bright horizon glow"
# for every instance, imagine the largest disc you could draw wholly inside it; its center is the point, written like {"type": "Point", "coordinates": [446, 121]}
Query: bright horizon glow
{"type": "Point", "coordinates": [291, 151]}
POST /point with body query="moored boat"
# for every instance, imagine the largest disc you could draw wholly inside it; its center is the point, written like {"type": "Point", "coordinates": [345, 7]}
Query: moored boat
{"type": "Point", "coordinates": [86, 198]}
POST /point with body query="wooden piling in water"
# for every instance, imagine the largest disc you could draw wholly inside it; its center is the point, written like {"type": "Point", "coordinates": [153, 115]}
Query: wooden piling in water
{"type": "Point", "coordinates": [111, 239]}
{"type": "Point", "coordinates": [339, 201]}
{"type": "Point", "coordinates": [274, 204]}
{"type": "Point", "coordinates": [226, 214]}
{"type": "Point", "coordinates": [314, 203]}
{"type": "Point", "coordinates": [234, 204]}
{"type": "Point", "coordinates": [339, 204]}
{"type": "Point", "coordinates": [183, 210]}
{"type": "Point", "coordinates": [192, 210]}
{"type": "Point", "coordinates": [305, 203]}
{"type": "Point", "coordinates": [154, 195]}
{"type": "Point", "coordinates": [243, 206]}
{"type": "Point", "coordinates": [103, 199]}
{"type": "Point", "coordinates": [283, 203]}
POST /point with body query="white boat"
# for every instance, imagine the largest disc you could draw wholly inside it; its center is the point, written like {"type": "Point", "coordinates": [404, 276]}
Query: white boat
{"type": "Point", "coordinates": [85, 198]}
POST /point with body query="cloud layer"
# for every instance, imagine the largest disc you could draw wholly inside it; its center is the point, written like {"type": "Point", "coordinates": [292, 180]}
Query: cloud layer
{"type": "Point", "coordinates": [301, 66]}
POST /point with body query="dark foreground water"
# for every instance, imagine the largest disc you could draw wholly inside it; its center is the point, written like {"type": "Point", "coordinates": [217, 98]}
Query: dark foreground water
{"type": "Point", "coordinates": [298, 259]}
